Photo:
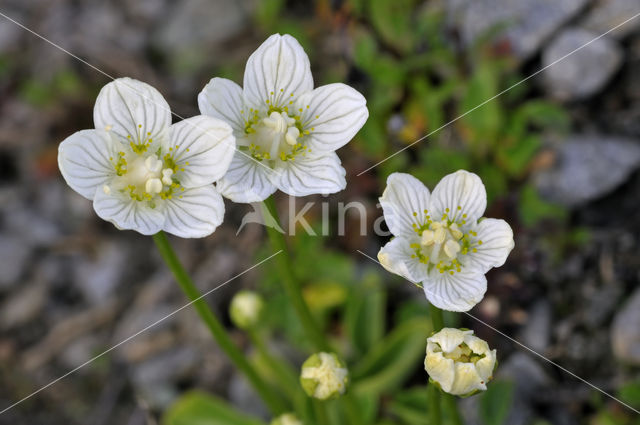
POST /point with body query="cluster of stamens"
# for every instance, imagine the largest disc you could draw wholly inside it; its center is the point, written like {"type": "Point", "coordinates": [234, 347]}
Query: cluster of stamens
{"type": "Point", "coordinates": [143, 177]}
{"type": "Point", "coordinates": [442, 241]}
{"type": "Point", "coordinates": [275, 132]}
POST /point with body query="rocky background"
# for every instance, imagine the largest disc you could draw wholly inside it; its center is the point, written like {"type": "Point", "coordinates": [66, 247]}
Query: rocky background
{"type": "Point", "coordinates": [72, 286]}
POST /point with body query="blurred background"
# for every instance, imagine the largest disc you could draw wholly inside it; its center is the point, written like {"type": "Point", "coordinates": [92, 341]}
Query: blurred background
{"type": "Point", "coordinates": [558, 153]}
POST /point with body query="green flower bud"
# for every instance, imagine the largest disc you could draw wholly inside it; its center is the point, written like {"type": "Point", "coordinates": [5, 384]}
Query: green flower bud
{"type": "Point", "coordinates": [245, 309]}
{"type": "Point", "coordinates": [286, 419]}
{"type": "Point", "coordinates": [324, 376]}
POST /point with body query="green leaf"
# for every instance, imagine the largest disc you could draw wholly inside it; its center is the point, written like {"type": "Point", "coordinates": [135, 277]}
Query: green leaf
{"type": "Point", "coordinates": [199, 408]}
{"type": "Point", "coordinates": [515, 159]}
{"type": "Point", "coordinates": [436, 162]}
{"type": "Point", "coordinates": [410, 406]}
{"type": "Point", "coordinates": [482, 126]}
{"type": "Point", "coordinates": [540, 114]}
{"type": "Point", "coordinates": [393, 20]}
{"type": "Point", "coordinates": [494, 181]}
{"type": "Point", "coordinates": [495, 402]}
{"type": "Point", "coordinates": [533, 208]}
{"type": "Point", "coordinates": [630, 393]}
{"type": "Point", "coordinates": [365, 313]}
{"type": "Point", "coordinates": [393, 359]}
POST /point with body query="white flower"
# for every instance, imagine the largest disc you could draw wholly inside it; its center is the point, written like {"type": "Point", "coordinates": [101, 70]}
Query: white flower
{"type": "Point", "coordinates": [141, 172]}
{"type": "Point", "coordinates": [324, 376]}
{"type": "Point", "coordinates": [459, 362]}
{"type": "Point", "coordinates": [441, 240]}
{"type": "Point", "coordinates": [286, 130]}
{"type": "Point", "coordinates": [245, 309]}
{"type": "Point", "coordinates": [286, 419]}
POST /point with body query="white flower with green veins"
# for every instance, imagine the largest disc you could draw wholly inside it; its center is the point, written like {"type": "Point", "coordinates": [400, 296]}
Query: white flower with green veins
{"type": "Point", "coordinates": [286, 131]}
{"type": "Point", "coordinates": [459, 362]}
{"type": "Point", "coordinates": [442, 242]}
{"type": "Point", "coordinates": [143, 173]}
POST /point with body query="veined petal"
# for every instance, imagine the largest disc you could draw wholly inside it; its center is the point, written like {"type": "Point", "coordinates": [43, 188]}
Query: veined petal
{"type": "Point", "coordinates": [477, 345]}
{"type": "Point", "coordinates": [202, 146]}
{"type": "Point", "coordinates": [128, 214]}
{"type": "Point", "coordinates": [132, 110]}
{"type": "Point", "coordinates": [403, 203]}
{"type": "Point", "coordinates": [395, 256]}
{"type": "Point", "coordinates": [485, 365]}
{"type": "Point", "coordinates": [195, 213]}
{"type": "Point", "coordinates": [278, 71]}
{"type": "Point", "coordinates": [84, 159]}
{"type": "Point", "coordinates": [311, 174]}
{"type": "Point", "coordinates": [458, 292]}
{"type": "Point", "coordinates": [332, 114]}
{"type": "Point", "coordinates": [467, 380]}
{"type": "Point", "coordinates": [460, 189]}
{"type": "Point", "coordinates": [497, 242]}
{"type": "Point", "coordinates": [222, 99]}
{"type": "Point", "coordinates": [440, 369]}
{"type": "Point", "coordinates": [247, 180]}
{"type": "Point", "coordinates": [449, 338]}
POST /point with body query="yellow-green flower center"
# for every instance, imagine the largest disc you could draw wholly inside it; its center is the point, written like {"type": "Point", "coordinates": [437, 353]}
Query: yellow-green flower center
{"type": "Point", "coordinates": [275, 133]}
{"type": "Point", "coordinates": [443, 242]}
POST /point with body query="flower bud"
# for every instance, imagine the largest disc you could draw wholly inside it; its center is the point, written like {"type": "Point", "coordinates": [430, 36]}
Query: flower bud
{"type": "Point", "coordinates": [245, 309]}
{"type": "Point", "coordinates": [459, 362]}
{"type": "Point", "coordinates": [324, 376]}
{"type": "Point", "coordinates": [286, 419]}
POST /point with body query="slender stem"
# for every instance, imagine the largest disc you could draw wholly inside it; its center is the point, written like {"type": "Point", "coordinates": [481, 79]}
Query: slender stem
{"type": "Point", "coordinates": [352, 408]}
{"type": "Point", "coordinates": [320, 413]}
{"type": "Point", "coordinates": [451, 407]}
{"type": "Point", "coordinates": [291, 286]}
{"type": "Point", "coordinates": [213, 324]}
{"type": "Point", "coordinates": [433, 402]}
{"type": "Point", "coordinates": [448, 401]}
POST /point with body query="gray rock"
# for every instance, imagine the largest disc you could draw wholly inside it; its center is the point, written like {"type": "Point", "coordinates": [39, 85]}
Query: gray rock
{"type": "Point", "coordinates": [242, 395]}
{"type": "Point", "coordinates": [23, 306]}
{"type": "Point", "coordinates": [200, 23]}
{"type": "Point", "coordinates": [588, 167]}
{"type": "Point", "coordinates": [607, 14]}
{"type": "Point", "coordinates": [583, 73]}
{"type": "Point", "coordinates": [98, 277]}
{"type": "Point", "coordinates": [14, 254]}
{"type": "Point", "coordinates": [523, 24]}
{"type": "Point", "coordinates": [537, 331]}
{"type": "Point", "coordinates": [625, 331]}
{"type": "Point", "coordinates": [526, 373]}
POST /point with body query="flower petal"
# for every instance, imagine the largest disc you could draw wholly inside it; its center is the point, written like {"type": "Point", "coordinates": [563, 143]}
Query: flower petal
{"type": "Point", "coordinates": [312, 174]}
{"type": "Point", "coordinates": [457, 292]}
{"type": "Point", "coordinates": [467, 380]}
{"type": "Point", "coordinates": [278, 71]}
{"type": "Point", "coordinates": [449, 338]}
{"type": "Point", "coordinates": [128, 214]}
{"type": "Point", "coordinates": [440, 369]}
{"type": "Point", "coordinates": [202, 146]}
{"type": "Point", "coordinates": [84, 160]}
{"type": "Point", "coordinates": [460, 189]}
{"type": "Point", "coordinates": [246, 180]}
{"type": "Point", "coordinates": [333, 114]}
{"type": "Point", "coordinates": [486, 365]}
{"type": "Point", "coordinates": [129, 107]}
{"type": "Point", "coordinates": [395, 256]}
{"type": "Point", "coordinates": [497, 242]}
{"type": "Point", "coordinates": [195, 213]}
{"type": "Point", "coordinates": [222, 99]}
{"type": "Point", "coordinates": [403, 197]}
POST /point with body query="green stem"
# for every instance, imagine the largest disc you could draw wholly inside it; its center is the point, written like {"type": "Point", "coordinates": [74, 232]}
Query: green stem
{"type": "Point", "coordinates": [448, 400]}
{"type": "Point", "coordinates": [291, 286]}
{"type": "Point", "coordinates": [352, 409]}
{"type": "Point", "coordinates": [433, 402]}
{"type": "Point", "coordinates": [215, 327]}
{"type": "Point", "coordinates": [451, 407]}
{"type": "Point", "coordinates": [320, 412]}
